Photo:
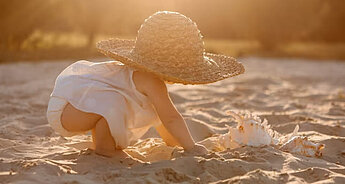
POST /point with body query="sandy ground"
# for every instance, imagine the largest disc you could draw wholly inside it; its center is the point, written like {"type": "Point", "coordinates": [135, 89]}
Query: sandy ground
{"type": "Point", "coordinates": [285, 92]}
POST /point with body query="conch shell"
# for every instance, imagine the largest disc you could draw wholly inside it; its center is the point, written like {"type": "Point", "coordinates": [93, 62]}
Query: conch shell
{"type": "Point", "coordinates": [301, 145]}
{"type": "Point", "coordinates": [252, 131]}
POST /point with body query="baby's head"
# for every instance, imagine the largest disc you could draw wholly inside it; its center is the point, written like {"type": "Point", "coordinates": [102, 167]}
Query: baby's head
{"type": "Point", "coordinates": [170, 46]}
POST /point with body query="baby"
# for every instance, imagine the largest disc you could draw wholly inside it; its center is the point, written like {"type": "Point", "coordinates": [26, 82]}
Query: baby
{"type": "Point", "coordinates": [120, 100]}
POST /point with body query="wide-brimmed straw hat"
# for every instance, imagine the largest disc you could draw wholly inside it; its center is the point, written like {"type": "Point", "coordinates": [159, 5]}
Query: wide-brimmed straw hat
{"type": "Point", "coordinates": [170, 45]}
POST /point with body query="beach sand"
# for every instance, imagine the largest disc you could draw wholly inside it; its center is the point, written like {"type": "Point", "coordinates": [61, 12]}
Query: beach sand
{"type": "Point", "coordinates": [287, 92]}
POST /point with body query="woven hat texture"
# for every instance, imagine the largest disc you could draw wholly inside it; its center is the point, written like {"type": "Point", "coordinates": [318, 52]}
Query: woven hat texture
{"type": "Point", "coordinates": [170, 45]}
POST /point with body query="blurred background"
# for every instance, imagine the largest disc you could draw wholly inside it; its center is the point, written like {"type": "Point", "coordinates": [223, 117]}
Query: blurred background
{"type": "Point", "coordinates": [65, 29]}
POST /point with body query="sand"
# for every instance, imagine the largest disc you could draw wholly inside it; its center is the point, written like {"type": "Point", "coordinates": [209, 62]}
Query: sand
{"type": "Point", "coordinates": [286, 92]}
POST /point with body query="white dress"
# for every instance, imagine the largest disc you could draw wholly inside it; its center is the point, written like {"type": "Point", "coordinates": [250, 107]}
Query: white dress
{"type": "Point", "coordinates": [107, 89]}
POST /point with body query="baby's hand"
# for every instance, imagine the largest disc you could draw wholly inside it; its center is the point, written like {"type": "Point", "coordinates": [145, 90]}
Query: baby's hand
{"type": "Point", "coordinates": [198, 149]}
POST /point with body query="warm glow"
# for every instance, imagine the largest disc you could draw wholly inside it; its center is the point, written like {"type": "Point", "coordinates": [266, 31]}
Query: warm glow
{"type": "Point", "coordinates": [277, 28]}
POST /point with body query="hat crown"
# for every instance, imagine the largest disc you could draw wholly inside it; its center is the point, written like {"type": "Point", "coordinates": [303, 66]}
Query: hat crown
{"type": "Point", "coordinates": [168, 37]}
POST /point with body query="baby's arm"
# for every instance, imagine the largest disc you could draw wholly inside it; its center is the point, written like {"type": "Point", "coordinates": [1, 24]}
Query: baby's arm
{"type": "Point", "coordinates": [166, 136]}
{"type": "Point", "coordinates": [173, 130]}
{"type": "Point", "coordinates": [172, 120]}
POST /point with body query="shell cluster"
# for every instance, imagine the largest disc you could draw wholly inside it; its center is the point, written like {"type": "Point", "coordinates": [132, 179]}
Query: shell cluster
{"type": "Point", "coordinates": [252, 131]}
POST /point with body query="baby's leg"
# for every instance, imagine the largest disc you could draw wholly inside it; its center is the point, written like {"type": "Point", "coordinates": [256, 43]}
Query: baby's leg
{"type": "Point", "coordinates": [104, 141]}
{"type": "Point", "coordinates": [75, 120]}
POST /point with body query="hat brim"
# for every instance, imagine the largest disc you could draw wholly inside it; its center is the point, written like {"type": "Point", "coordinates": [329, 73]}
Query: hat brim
{"type": "Point", "coordinates": [215, 67]}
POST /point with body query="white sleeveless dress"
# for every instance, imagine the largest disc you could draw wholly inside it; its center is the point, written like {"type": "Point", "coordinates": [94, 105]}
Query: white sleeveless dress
{"type": "Point", "coordinates": [107, 89]}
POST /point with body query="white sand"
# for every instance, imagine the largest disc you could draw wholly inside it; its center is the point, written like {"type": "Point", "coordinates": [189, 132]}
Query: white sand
{"type": "Point", "coordinates": [286, 92]}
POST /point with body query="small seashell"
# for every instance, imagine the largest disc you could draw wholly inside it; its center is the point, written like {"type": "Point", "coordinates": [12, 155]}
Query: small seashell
{"type": "Point", "coordinates": [301, 145]}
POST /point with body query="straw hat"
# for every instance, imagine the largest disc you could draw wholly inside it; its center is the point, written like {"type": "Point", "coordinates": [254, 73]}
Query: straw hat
{"type": "Point", "coordinates": [170, 45]}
